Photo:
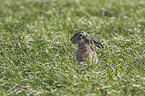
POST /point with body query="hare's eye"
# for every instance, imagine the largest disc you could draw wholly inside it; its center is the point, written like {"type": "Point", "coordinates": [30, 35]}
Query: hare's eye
{"type": "Point", "coordinates": [80, 35]}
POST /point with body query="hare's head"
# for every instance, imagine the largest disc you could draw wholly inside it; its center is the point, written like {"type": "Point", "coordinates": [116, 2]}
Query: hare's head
{"type": "Point", "coordinates": [81, 38]}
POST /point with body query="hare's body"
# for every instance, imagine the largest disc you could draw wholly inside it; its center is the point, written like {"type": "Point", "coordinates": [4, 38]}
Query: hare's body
{"type": "Point", "coordinates": [85, 53]}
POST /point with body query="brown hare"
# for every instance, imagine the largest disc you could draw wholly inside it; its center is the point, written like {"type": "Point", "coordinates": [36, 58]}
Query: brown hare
{"type": "Point", "coordinates": [85, 52]}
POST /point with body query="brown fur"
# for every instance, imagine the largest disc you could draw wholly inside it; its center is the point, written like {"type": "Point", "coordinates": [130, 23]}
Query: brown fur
{"type": "Point", "coordinates": [85, 53]}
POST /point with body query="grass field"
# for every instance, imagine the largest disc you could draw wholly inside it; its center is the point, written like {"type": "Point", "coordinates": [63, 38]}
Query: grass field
{"type": "Point", "coordinates": [37, 57]}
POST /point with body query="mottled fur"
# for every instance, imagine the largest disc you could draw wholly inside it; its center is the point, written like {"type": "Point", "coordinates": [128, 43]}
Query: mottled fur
{"type": "Point", "coordinates": [85, 52]}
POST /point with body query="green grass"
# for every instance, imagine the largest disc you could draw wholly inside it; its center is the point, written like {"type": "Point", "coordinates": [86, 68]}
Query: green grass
{"type": "Point", "coordinates": [37, 57]}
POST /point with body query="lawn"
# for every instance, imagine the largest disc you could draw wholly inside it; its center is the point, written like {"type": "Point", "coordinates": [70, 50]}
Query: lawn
{"type": "Point", "coordinates": [37, 57]}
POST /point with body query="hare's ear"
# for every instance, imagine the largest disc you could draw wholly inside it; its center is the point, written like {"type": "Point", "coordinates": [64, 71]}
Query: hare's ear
{"type": "Point", "coordinates": [97, 43]}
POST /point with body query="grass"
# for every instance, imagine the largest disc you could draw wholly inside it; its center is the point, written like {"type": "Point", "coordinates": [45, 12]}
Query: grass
{"type": "Point", "coordinates": [37, 57]}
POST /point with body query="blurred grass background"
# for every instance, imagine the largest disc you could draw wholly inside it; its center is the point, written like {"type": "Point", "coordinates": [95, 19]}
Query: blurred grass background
{"type": "Point", "coordinates": [37, 57]}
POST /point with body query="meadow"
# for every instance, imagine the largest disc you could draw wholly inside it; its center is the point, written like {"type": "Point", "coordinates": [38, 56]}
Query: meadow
{"type": "Point", "coordinates": [37, 57]}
